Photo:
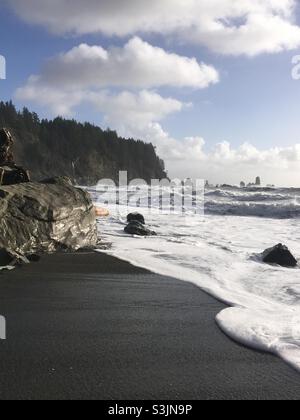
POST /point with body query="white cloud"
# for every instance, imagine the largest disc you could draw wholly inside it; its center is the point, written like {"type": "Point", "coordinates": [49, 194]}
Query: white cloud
{"type": "Point", "coordinates": [225, 164]}
{"type": "Point", "coordinates": [136, 65]}
{"type": "Point", "coordinates": [127, 108]}
{"type": "Point", "coordinates": [135, 109]}
{"type": "Point", "coordinates": [58, 101]}
{"type": "Point", "coordinates": [191, 157]}
{"type": "Point", "coordinates": [84, 74]}
{"type": "Point", "coordinates": [140, 115]}
{"type": "Point", "coordinates": [225, 26]}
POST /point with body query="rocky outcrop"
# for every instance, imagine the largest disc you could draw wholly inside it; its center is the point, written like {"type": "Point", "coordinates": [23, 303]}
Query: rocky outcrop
{"type": "Point", "coordinates": [10, 173]}
{"type": "Point", "coordinates": [6, 145]}
{"type": "Point", "coordinates": [83, 152]}
{"type": "Point", "coordinates": [136, 228]}
{"type": "Point", "coordinates": [136, 217]}
{"type": "Point", "coordinates": [45, 217]}
{"type": "Point", "coordinates": [279, 255]}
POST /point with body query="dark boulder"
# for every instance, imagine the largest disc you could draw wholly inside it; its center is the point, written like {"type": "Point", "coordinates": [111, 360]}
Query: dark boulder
{"type": "Point", "coordinates": [136, 217]}
{"type": "Point", "coordinates": [279, 255]}
{"type": "Point", "coordinates": [11, 175]}
{"type": "Point", "coordinates": [136, 228]}
{"type": "Point", "coordinates": [45, 217]}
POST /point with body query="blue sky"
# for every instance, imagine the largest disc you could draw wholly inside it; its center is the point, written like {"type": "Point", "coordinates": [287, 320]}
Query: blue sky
{"type": "Point", "coordinates": [256, 100]}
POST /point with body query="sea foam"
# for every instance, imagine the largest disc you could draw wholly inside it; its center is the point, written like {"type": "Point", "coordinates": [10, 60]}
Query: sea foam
{"type": "Point", "coordinates": [220, 253]}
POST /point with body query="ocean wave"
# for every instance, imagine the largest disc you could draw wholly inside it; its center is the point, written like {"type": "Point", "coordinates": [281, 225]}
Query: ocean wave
{"type": "Point", "coordinates": [242, 195]}
{"type": "Point", "coordinates": [259, 202]}
{"type": "Point", "coordinates": [289, 210]}
{"type": "Point", "coordinates": [221, 256]}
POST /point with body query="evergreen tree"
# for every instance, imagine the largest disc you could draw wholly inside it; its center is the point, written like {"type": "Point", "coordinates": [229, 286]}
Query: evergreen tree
{"type": "Point", "coordinates": [81, 151]}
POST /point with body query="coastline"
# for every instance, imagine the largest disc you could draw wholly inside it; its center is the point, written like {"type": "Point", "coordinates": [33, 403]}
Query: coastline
{"type": "Point", "coordinates": [90, 326]}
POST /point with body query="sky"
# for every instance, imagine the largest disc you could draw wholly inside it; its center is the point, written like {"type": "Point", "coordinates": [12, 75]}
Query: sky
{"type": "Point", "coordinates": [210, 83]}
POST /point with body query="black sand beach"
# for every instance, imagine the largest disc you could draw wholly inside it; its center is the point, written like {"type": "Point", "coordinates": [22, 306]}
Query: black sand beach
{"type": "Point", "coordinates": [87, 326]}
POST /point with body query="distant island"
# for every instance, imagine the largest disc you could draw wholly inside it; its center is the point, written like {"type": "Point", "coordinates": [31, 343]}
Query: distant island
{"type": "Point", "coordinates": [84, 152]}
{"type": "Point", "coordinates": [242, 185]}
{"type": "Point", "coordinates": [257, 183]}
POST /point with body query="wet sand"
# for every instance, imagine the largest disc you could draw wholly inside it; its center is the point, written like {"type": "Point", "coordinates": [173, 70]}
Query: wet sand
{"type": "Point", "coordinates": [88, 326]}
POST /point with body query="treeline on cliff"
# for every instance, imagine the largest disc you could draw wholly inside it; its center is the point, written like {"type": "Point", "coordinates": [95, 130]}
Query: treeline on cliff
{"type": "Point", "coordinates": [84, 152]}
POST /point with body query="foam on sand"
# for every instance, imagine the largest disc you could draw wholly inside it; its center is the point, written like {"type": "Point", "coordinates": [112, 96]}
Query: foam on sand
{"type": "Point", "coordinates": [220, 254]}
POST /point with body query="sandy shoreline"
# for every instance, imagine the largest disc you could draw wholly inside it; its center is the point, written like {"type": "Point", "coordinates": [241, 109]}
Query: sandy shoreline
{"type": "Point", "coordinates": [88, 326]}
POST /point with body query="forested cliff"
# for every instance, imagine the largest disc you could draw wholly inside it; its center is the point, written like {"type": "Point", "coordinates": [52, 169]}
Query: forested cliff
{"type": "Point", "coordinates": [83, 152]}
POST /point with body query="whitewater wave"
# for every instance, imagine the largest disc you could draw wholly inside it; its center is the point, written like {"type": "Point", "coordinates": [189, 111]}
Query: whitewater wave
{"type": "Point", "coordinates": [239, 196]}
{"type": "Point", "coordinates": [286, 210]}
{"type": "Point", "coordinates": [219, 254]}
{"type": "Point", "coordinates": [254, 202]}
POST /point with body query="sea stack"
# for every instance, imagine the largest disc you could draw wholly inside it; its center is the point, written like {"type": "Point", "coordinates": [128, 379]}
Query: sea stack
{"type": "Point", "coordinates": [258, 181]}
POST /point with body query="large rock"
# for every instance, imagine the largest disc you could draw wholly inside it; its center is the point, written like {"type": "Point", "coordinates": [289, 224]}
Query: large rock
{"type": "Point", "coordinates": [136, 228]}
{"type": "Point", "coordinates": [45, 217]}
{"type": "Point", "coordinates": [279, 255]}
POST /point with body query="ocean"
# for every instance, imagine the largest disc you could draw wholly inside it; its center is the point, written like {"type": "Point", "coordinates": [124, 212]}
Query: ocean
{"type": "Point", "coordinates": [220, 253]}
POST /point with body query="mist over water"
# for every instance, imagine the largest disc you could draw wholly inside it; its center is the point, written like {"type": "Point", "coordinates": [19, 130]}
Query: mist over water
{"type": "Point", "coordinates": [221, 254]}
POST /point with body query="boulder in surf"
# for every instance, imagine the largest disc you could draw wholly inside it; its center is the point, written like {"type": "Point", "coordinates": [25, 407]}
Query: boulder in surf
{"type": "Point", "coordinates": [136, 217]}
{"type": "Point", "coordinates": [280, 255]}
{"type": "Point", "coordinates": [136, 228]}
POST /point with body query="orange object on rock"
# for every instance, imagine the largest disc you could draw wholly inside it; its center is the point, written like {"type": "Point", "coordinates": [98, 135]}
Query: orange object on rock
{"type": "Point", "coordinates": [100, 212]}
